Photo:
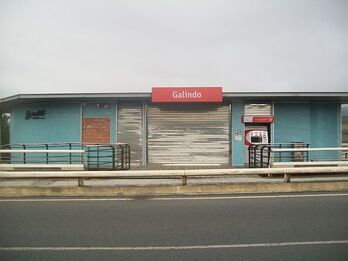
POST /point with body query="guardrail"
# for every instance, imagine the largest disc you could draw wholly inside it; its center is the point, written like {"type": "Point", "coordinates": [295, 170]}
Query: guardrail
{"type": "Point", "coordinates": [163, 174]}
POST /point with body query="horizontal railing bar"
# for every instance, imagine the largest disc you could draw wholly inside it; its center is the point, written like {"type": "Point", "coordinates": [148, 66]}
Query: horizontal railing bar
{"type": "Point", "coordinates": [308, 163]}
{"type": "Point", "coordinates": [38, 165]}
{"type": "Point", "coordinates": [307, 149]}
{"type": "Point", "coordinates": [42, 151]}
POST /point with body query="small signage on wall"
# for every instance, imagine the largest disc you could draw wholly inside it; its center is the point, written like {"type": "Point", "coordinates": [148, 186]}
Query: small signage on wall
{"type": "Point", "coordinates": [103, 105]}
{"type": "Point", "coordinates": [187, 94]}
{"type": "Point", "coordinates": [258, 119]}
{"type": "Point", "coordinates": [238, 135]}
{"type": "Point", "coordinates": [35, 115]}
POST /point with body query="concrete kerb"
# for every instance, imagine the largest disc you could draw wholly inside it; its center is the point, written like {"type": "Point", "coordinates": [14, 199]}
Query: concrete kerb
{"type": "Point", "coordinates": [120, 191]}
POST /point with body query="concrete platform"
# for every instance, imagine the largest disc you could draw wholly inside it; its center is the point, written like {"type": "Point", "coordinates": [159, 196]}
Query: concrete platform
{"type": "Point", "coordinates": [172, 187]}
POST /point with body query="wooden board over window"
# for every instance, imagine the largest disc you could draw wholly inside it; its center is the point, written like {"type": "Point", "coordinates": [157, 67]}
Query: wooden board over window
{"type": "Point", "coordinates": [96, 131]}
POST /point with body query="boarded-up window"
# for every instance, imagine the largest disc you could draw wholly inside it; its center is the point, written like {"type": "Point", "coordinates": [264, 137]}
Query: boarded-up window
{"type": "Point", "coordinates": [96, 131]}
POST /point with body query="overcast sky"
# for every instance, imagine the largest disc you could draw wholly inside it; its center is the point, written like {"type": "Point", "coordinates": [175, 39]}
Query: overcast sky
{"type": "Point", "coordinates": [130, 46]}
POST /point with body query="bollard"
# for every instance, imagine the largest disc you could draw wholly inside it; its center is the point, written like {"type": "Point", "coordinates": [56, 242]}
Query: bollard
{"type": "Point", "coordinates": [80, 182]}
{"type": "Point", "coordinates": [287, 178]}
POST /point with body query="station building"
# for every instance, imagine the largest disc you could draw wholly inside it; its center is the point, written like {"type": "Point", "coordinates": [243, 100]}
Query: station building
{"type": "Point", "coordinates": [174, 126]}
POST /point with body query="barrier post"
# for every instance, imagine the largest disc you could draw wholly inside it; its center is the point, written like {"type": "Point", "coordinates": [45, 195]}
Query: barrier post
{"type": "Point", "coordinates": [287, 178]}
{"type": "Point", "coordinates": [184, 180]}
{"type": "Point", "coordinates": [80, 182]}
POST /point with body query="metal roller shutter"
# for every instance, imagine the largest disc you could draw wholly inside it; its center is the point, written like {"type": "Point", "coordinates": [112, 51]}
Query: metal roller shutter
{"type": "Point", "coordinates": [129, 129]}
{"type": "Point", "coordinates": [188, 134]}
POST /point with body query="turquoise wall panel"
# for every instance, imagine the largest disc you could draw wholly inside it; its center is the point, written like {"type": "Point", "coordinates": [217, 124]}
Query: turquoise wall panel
{"type": "Point", "coordinates": [292, 122]}
{"type": "Point", "coordinates": [325, 128]}
{"type": "Point", "coordinates": [238, 148]}
{"type": "Point", "coordinates": [90, 110]}
{"type": "Point", "coordinates": [316, 123]}
{"type": "Point", "coordinates": [62, 123]}
{"type": "Point", "coordinates": [325, 125]}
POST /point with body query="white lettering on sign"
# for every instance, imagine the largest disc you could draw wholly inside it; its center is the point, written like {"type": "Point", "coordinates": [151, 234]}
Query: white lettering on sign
{"type": "Point", "coordinates": [186, 95]}
{"type": "Point", "coordinates": [248, 119]}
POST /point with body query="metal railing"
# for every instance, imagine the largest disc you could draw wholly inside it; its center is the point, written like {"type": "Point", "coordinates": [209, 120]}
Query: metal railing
{"type": "Point", "coordinates": [259, 155]}
{"type": "Point", "coordinates": [92, 157]}
{"type": "Point", "coordinates": [310, 157]}
{"type": "Point", "coordinates": [111, 156]}
{"type": "Point", "coordinates": [268, 155]}
{"type": "Point", "coordinates": [45, 153]}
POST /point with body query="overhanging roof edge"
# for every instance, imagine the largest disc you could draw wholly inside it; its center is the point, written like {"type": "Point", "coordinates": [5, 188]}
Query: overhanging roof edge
{"type": "Point", "coordinates": [248, 95]}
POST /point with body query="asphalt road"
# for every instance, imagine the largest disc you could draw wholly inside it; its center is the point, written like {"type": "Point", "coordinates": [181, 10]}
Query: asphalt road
{"type": "Point", "coordinates": [304, 227]}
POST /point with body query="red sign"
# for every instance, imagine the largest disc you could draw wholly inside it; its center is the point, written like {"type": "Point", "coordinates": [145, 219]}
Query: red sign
{"type": "Point", "coordinates": [187, 94]}
{"type": "Point", "coordinates": [258, 119]}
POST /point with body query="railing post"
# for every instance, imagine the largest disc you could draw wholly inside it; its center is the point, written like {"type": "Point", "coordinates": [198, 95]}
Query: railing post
{"type": "Point", "coordinates": [255, 156]}
{"type": "Point", "coordinates": [129, 156]}
{"type": "Point", "coordinates": [46, 154]}
{"type": "Point", "coordinates": [249, 156]}
{"type": "Point", "coordinates": [122, 157]}
{"type": "Point", "coordinates": [262, 156]}
{"type": "Point", "coordinates": [113, 157]}
{"type": "Point", "coordinates": [280, 154]}
{"type": "Point", "coordinates": [70, 153]}
{"type": "Point", "coordinates": [10, 156]}
{"type": "Point", "coordinates": [97, 157]}
{"type": "Point", "coordinates": [24, 155]}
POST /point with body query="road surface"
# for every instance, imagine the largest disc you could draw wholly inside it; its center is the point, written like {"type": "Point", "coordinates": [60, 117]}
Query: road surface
{"type": "Point", "coordinates": [264, 227]}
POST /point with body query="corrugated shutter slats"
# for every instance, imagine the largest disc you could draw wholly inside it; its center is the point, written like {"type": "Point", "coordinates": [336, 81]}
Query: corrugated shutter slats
{"type": "Point", "coordinates": [129, 129]}
{"type": "Point", "coordinates": [188, 133]}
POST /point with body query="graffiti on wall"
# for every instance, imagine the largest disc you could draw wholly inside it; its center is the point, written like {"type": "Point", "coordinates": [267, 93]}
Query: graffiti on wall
{"type": "Point", "coordinates": [35, 115]}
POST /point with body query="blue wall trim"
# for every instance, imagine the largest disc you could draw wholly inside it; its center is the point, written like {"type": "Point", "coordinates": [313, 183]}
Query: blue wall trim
{"type": "Point", "coordinates": [238, 148]}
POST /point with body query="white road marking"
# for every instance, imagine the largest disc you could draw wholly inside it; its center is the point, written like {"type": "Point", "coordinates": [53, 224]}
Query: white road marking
{"type": "Point", "coordinates": [173, 198]}
{"type": "Point", "coordinates": [253, 197]}
{"type": "Point", "coordinates": [64, 199]}
{"type": "Point", "coordinates": [161, 248]}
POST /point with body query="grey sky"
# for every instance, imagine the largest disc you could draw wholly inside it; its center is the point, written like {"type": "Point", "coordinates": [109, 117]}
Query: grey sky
{"type": "Point", "coordinates": [130, 46]}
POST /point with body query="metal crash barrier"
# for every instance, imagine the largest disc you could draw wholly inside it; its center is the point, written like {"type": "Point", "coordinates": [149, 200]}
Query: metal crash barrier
{"type": "Point", "coordinates": [170, 174]}
{"type": "Point", "coordinates": [65, 156]}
